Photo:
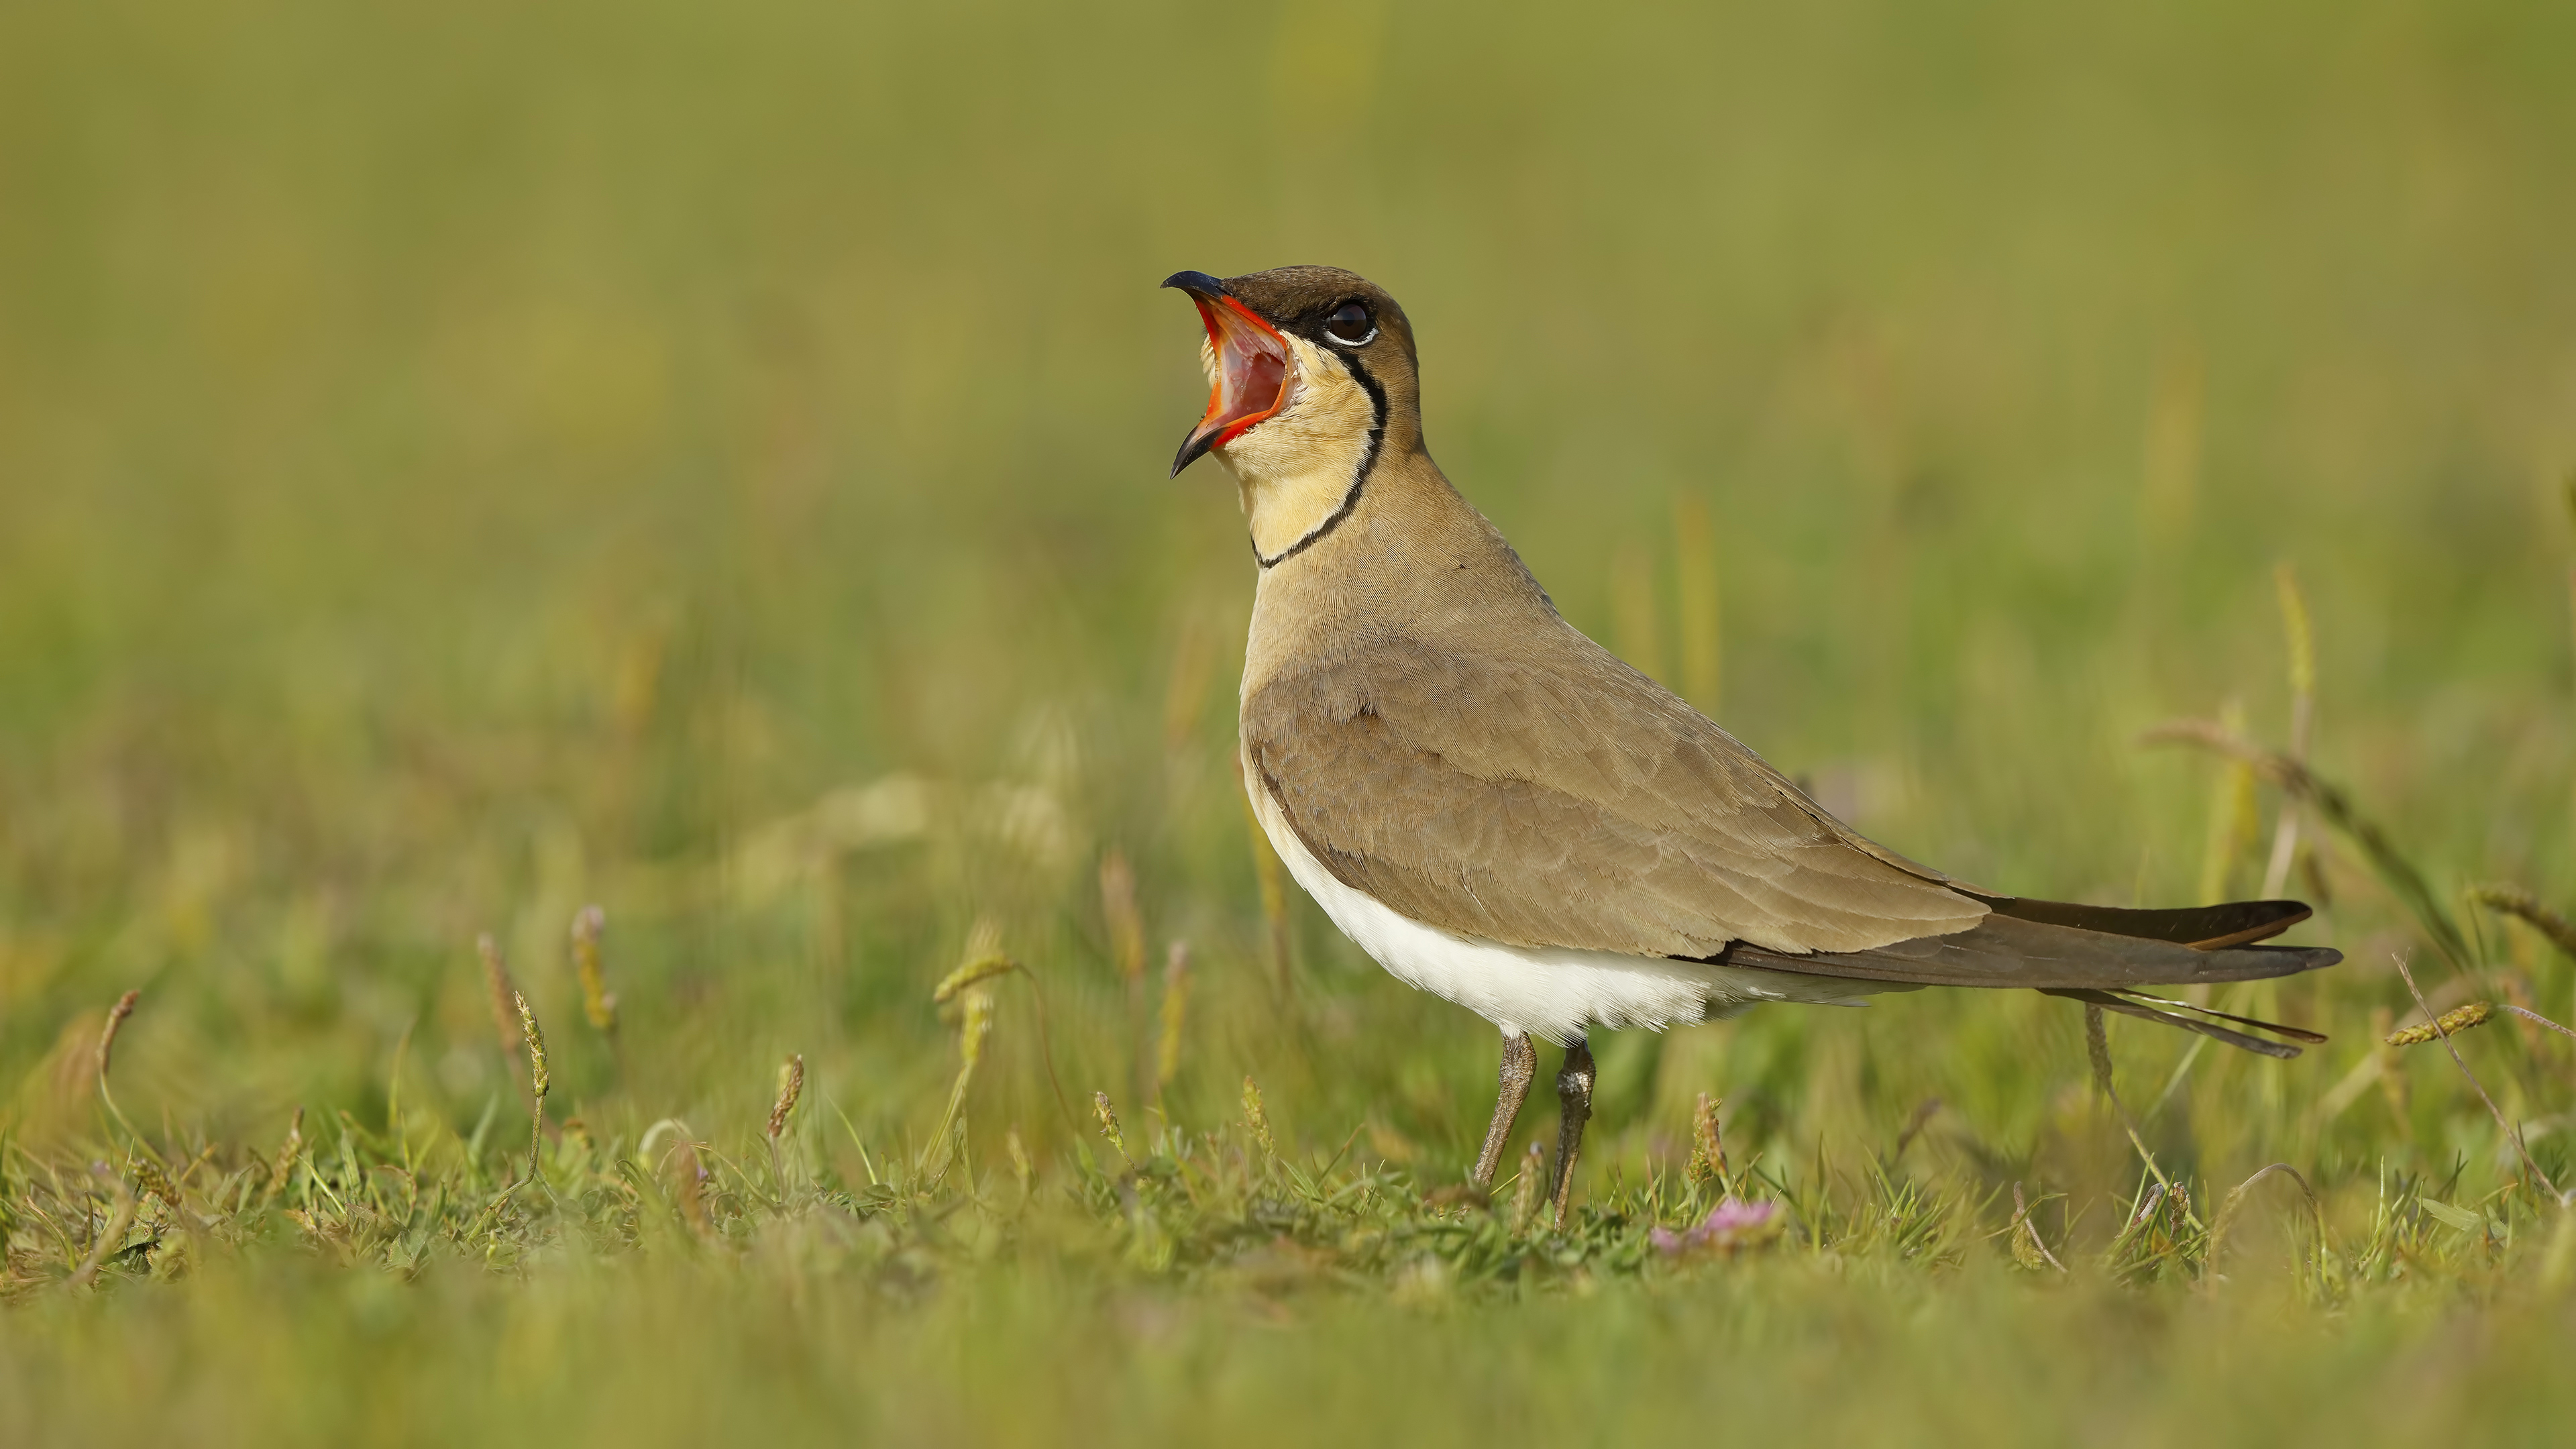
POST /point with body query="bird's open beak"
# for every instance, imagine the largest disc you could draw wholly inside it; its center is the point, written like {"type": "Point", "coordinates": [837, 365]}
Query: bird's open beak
{"type": "Point", "coordinates": [1252, 367]}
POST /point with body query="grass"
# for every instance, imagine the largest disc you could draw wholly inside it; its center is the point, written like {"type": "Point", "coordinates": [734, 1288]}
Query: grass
{"type": "Point", "coordinates": [675, 493]}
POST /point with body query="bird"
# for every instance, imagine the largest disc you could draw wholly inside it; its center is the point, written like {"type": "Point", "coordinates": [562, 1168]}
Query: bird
{"type": "Point", "coordinates": [1501, 812]}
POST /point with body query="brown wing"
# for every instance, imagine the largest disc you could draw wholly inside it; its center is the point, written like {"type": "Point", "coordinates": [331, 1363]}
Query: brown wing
{"type": "Point", "coordinates": [1557, 797]}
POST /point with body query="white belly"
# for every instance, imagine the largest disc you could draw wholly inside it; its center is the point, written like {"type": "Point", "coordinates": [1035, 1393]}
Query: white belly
{"type": "Point", "coordinates": [1557, 993]}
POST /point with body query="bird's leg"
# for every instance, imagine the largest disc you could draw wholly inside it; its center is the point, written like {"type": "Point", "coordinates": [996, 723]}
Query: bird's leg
{"type": "Point", "coordinates": [1520, 1063]}
{"type": "Point", "coordinates": [1574, 1094]}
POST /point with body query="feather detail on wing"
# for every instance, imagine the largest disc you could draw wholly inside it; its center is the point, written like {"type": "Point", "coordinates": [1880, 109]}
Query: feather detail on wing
{"type": "Point", "coordinates": [1560, 798]}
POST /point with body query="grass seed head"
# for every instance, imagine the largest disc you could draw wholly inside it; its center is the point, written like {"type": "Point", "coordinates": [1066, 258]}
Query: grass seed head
{"type": "Point", "coordinates": [791, 1085]}
{"type": "Point", "coordinates": [1708, 1149]}
{"type": "Point", "coordinates": [1257, 1118]}
{"type": "Point", "coordinates": [981, 968]}
{"type": "Point", "coordinates": [287, 1152]}
{"type": "Point", "coordinates": [2514, 901]}
{"type": "Point", "coordinates": [984, 961]}
{"type": "Point", "coordinates": [539, 1079]}
{"type": "Point", "coordinates": [116, 1016]}
{"type": "Point", "coordinates": [2457, 1019]}
{"type": "Point", "coordinates": [1108, 1116]}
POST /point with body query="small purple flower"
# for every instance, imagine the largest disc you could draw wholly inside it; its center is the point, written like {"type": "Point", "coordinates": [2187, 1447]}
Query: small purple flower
{"type": "Point", "coordinates": [1728, 1226]}
{"type": "Point", "coordinates": [1735, 1216]}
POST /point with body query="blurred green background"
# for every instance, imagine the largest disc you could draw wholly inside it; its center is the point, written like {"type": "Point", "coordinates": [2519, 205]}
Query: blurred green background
{"type": "Point", "coordinates": [460, 462]}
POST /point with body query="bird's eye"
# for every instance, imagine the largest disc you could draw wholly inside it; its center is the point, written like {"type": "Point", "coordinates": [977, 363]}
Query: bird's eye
{"type": "Point", "coordinates": [1350, 324]}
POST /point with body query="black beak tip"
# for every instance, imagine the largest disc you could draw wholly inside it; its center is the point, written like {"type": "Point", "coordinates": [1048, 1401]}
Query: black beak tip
{"type": "Point", "coordinates": [1196, 444]}
{"type": "Point", "coordinates": [1199, 282]}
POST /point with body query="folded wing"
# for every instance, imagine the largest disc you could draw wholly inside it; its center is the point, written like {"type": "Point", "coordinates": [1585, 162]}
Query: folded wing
{"type": "Point", "coordinates": [1560, 798]}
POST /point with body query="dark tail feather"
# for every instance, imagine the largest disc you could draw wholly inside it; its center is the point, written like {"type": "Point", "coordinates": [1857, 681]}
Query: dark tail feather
{"type": "Point", "coordinates": [2203, 928]}
{"type": "Point", "coordinates": [2099, 955]}
{"type": "Point", "coordinates": [2014, 948]}
{"type": "Point", "coordinates": [2294, 1033]}
{"type": "Point", "coordinates": [2170, 1013]}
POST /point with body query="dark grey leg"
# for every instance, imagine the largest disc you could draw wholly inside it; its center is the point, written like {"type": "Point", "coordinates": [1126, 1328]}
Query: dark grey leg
{"type": "Point", "coordinates": [1574, 1094]}
{"type": "Point", "coordinates": [1520, 1063]}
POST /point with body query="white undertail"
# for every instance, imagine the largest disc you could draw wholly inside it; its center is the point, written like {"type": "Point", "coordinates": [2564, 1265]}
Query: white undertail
{"type": "Point", "coordinates": [1552, 992]}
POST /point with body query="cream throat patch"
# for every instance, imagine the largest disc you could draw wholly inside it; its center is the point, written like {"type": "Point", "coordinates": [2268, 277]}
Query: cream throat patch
{"type": "Point", "coordinates": [1298, 472]}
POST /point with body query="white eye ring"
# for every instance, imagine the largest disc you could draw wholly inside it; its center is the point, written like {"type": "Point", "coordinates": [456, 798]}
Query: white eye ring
{"type": "Point", "coordinates": [1353, 341]}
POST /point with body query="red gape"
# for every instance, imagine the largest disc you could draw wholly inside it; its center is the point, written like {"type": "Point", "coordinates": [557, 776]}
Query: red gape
{"type": "Point", "coordinates": [1252, 370]}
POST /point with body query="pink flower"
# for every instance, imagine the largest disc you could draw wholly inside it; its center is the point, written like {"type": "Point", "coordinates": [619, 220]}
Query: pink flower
{"type": "Point", "coordinates": [1728, 1226]}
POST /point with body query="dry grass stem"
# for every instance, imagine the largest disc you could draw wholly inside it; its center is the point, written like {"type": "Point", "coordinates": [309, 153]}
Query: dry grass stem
{"type": "Point", "coordinates": [2512, 1135]}
{"type": "Point", "coordinates": [2097, 1050]}
{"type": "Point", "coordinates": [2026, 1244]}
{"type": "Point", "coordinates": [2527, 1014]}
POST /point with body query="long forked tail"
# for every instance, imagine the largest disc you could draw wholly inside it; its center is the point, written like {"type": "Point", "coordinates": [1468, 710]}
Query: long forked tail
{"type": "Point", "coordinates": [2099, 955]}
{"type": "Point", "coordinates": [2200, 1019]}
